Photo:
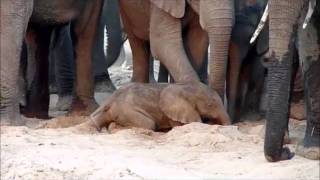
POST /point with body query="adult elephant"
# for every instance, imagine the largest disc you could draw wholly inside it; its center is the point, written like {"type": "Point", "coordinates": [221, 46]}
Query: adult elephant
{"type": "Point", "coordinates": [245, 57]}
{"type": "Point", "coordinates": [62, 61]}
{"type": "Point", "coordinates": [40, 16]}
{"type": "Point", "coordinates": [286, 35]}
{"type": "Point", "coordinates": [160, 21]}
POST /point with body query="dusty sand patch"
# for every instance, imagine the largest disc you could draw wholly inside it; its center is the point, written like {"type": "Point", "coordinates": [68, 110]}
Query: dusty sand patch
{"type": "Point", "coordinates": [194, 151]}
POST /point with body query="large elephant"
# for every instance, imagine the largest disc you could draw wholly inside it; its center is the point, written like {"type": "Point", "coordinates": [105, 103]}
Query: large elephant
{"type": "Point", "coordinates": [160, 22]}
{"type": "Point", "coordinates": [244, 57]}
{"type": "Point", "coordinates": [40, 17]}
{"type": "Point", "coordinates": [62, 62]}
{"type": "Point", "coordinates": [286, 35]}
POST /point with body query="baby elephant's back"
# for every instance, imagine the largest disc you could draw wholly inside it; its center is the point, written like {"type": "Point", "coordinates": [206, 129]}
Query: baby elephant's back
{"type": "Point", "coordinates": [138, 96]}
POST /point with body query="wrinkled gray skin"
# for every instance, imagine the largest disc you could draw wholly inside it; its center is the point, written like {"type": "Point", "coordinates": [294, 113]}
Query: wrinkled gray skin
{"type": "Point", "coordinates": [41, 16]}
{"type": "Point", "coordinates": [245, 71]}
{"type": "Point", "coordinates": [286, 35]}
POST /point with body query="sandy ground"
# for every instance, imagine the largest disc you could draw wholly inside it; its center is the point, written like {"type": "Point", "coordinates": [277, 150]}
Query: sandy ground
{"type": "Point", "coordinates": [193, 151]}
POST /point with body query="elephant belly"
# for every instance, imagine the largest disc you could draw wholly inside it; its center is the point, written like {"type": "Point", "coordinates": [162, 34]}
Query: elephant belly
{"type": "Point", "coordinates": [54, 12]}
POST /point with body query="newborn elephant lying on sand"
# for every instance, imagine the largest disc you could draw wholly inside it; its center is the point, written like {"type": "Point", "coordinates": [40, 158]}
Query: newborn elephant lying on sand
{"type": "Point", "coordinates": [159, 106]}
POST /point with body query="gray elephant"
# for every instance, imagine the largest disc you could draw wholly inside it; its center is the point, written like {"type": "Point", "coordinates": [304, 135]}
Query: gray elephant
{"type": "Point", "coordinates": [62, 62]}
{"type": "Point", "coordinates": [287, 33]}
{"type": "Point", "coordinates": [40, 17]}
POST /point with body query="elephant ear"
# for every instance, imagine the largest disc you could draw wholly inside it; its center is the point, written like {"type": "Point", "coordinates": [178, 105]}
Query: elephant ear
{"type": "Point", "coordinates": [175, 8]}
{"type": "Point", "coordinates": [178, 108]}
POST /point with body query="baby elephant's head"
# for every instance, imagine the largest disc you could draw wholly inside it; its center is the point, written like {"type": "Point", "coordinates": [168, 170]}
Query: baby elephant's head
{"type": "Point", "coordinates": [191, 102]}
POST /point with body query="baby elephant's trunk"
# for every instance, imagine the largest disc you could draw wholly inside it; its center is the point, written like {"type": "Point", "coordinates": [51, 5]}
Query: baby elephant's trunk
{"type": "Point", "coordinates": [101, 117]}
{"type": "Point", "coordinates": [224, 118]}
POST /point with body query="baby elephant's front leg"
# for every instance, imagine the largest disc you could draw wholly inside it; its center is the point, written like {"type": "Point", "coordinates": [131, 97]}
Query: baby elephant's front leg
{"type": "Point", "coordinates": [136, 118]}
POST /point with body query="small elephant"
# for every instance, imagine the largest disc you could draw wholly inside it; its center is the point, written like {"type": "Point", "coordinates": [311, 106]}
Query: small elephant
{"type": "Point", "coordinates": [159, 106]}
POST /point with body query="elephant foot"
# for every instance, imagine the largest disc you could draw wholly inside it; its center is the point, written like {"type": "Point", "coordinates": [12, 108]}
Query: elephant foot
{"type": "Point", "coordinates": [82, 106]}
{"type": "Point", "coordinates": [36, 114]}
{"type": "Point", "coordinates": [105, 86]}
{"type": "Point", "coordinates": [11, 119]}
{"type": "Point", "coordinates": [53, 89]}
{"type": "Point", "coordinates": [312, 152]}
{"type": "Point", "coordinates": [64, 103]}
{"type": "Point", "coordinates": [286, 154]}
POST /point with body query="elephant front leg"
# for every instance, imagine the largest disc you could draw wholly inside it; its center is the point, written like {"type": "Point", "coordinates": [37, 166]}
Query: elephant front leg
{"type": "Point", "coordinates": [14, 18]}
{"type": "Point", "coordinates": [140, 59]}
{"type": "Point", "coordinates": [309, 54]}
{"type": "Point", "coordinates": [38, 39]}
{"type": "Point", "coordinates": [196, 43]}
{"type": "Point", "coordinates": [310, 147]}
{"type": "Point", "coordinates": [167, 45]}
{"type": "Point", "coordinates": [85, 28]}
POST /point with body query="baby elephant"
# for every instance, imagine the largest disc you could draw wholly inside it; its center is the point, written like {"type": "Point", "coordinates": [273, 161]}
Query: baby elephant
{"type": "Point", "coordinates": [160, 106]}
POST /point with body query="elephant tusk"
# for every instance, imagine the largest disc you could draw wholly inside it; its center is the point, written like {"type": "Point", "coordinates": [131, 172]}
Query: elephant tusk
{"type": "Point", "coordinates": [261, 24]}
{"type": "Point", "coordinates": [312, 5]}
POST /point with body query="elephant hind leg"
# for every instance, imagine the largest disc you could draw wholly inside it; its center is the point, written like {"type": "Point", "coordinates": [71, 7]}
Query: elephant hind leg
{"type": "Point", "coordinates": [136, 118]}
{"type": "Point", "coordinates": [38, 92]}
{"type": "Point", "coordinates": [197, 52]}
{"type": "Point", "coordinates": [140, 59]}
{"type": "Point", "coordinates": [309, 55]}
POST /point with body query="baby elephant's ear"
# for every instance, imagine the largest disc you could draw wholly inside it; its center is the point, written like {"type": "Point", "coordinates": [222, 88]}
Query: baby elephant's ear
{"type": "Point", "coordinates": [175, 8]}
{"type": "Point", "coordinates": [178, 109]}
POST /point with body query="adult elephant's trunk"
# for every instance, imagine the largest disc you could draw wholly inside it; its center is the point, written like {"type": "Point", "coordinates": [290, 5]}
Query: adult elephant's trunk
{"type": "Point", "coordinates": [114, 30]}
{"type": "Point", "coordinates": [282, 31]}
{"type": "Point", "coordinates": [217, 18]}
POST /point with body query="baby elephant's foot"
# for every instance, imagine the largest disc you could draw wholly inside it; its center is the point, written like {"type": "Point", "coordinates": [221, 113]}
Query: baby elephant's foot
{"type": "Point", "coordinates": [311, 152]}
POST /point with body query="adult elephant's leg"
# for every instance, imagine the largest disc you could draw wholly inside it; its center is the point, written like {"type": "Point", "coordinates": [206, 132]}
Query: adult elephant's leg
{"type": "Point", "coordinates": [109, 21]}
{"type": "Point", "coordinates": [140, 59]}
{"type": "Point", "coordinates": [239, 47]}
{"type": "Point", "coordinates": [309, 52]}
{"type": "Point", "coordinates": [282, 36]}
{"type": "Point", "coordinates": [253, 96]}
{"type": "Point", "coordinates": [167, 45]}
{"type": "Point", "coordinates": [196, 45]}
{"type": "Point", "coordinates": [38, 41]}
{"type": "Point", "coordinates": [84, 29]}
{"type": "Point", "coordinates": [14, 19]}
{"type": "Point", "coordinates": [61, 52]}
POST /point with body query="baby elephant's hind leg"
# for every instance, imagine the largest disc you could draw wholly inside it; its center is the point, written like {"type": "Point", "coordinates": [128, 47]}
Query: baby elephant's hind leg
{"type": "Point", "coordinates": [138, 119]}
